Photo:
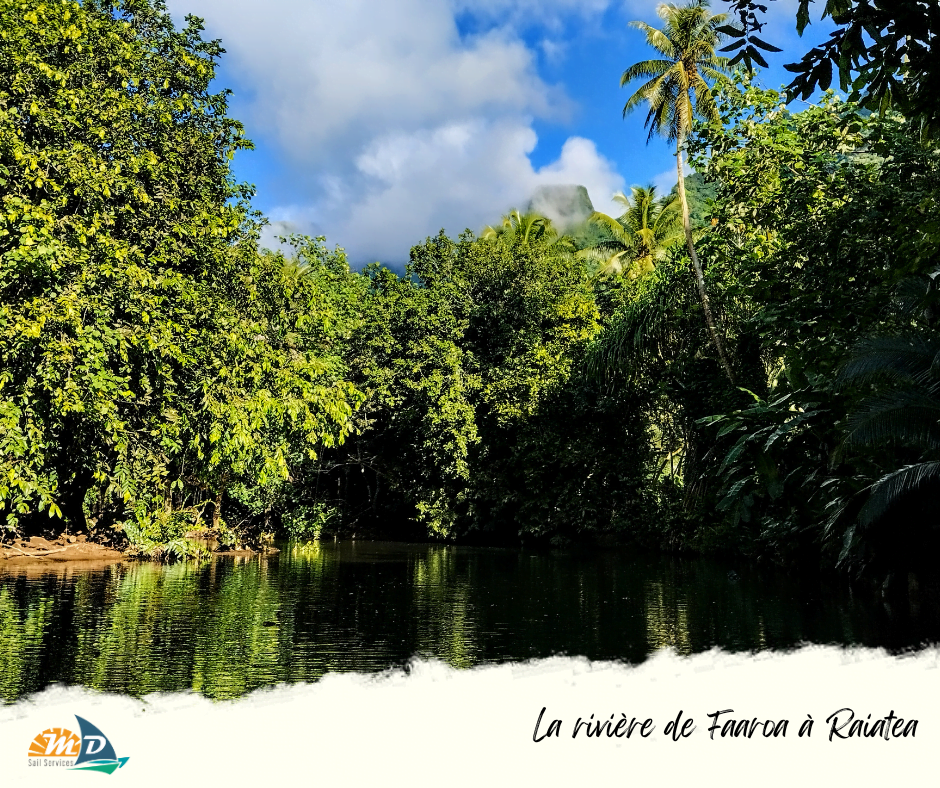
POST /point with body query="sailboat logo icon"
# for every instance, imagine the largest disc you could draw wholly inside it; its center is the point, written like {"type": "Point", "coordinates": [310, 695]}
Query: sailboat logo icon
{"type": "Point", "coordinates": [91, 752]}
{"type": "Point", "coordinates": [96, 753]}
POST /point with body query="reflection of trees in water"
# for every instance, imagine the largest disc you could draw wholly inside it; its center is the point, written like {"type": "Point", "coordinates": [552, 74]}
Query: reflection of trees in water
{"type": "Point", "coordinates": [229, 626]}
{"type": "Point", "coordinates": [238, 648]}
{"type": "Point", "coordinates": [695, 605]}
{"type": "Point", "coordinates": [667, 618]}
{"type": "Point", "coordinates": [163, 628]}
{"type": "Point", "coordinates": [312, 590]}
{"type": "Point", "coordinates": [444, 617]}
{"type": "Point", "coordinates": [128, 643]}
{"type": "Point", "coordinates": [21, 635]}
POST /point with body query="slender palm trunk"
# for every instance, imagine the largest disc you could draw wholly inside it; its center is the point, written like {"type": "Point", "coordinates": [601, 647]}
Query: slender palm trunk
{"type": "Point", "coordinates": [699, 276]}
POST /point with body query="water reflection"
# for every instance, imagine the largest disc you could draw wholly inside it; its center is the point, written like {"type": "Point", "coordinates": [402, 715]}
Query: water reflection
{"type": "Point", "coordinates": [232, 625]}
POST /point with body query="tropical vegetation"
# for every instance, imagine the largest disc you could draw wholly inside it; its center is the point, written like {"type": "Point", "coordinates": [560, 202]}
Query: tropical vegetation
{"type": "Point", "coordinates": [748, 365]}
{"type": "Point", "coordinates": [636, 240]}
{"type": "Point", "coordinates": [677, 93]}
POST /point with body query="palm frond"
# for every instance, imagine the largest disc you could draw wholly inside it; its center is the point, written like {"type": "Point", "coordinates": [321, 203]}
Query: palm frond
{"type": "Point", "coordinates": [650, 92]}
{"type": "Point", "coordinates": [914, 294]}
{"type": "Point", "coordinates": [603, 250]}
{"type": "Point", "coordinates": [661, 117]}
{"type": "Point", "coordinates": [608, 264]}
{"type": "Point", "coordinates": [909, 417]}
{"type": "Point", "coordinates": [890, 489]}
{"type": "Point", "coordinates": [610, 225]}
{"type": "Point", "coordinates": [910, 359]}
{"type": "Point", "coordinates": [715, 69]}
{"type": "Point", "coordinates": [645, 68]}
{"type": "Point", "coordinates": [642, 330]}
{"type": "Point", "coordinates": [705, 103]}
{"type": "Point", "coordinates": [646, 236]}
{"type": "Point", "coordinates": [621, 199]}
{"type": "Point", "coordinates": [656, 39]}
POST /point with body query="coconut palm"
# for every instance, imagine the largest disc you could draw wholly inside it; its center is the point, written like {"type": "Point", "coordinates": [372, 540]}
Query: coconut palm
{"type": "Point", "coordinates": [527, 228]}
{"type": "Point", "coordinates": [523, 226]}
{"type": "Point", "coordinates": [677, 91]}
{"type": "Point", "coordinates": [639, 237]}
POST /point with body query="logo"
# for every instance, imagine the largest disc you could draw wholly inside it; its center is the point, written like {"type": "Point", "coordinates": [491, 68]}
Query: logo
{"type": "Point", "coordinates": [90, 752]}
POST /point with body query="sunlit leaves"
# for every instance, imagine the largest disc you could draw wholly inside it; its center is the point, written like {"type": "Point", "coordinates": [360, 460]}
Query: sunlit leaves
{"type": "Point", "coordinates": [128, 279]}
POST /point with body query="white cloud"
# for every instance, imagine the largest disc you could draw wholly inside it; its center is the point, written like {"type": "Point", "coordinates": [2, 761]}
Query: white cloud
{"type": "Point", "coordinates": [664, 181]}
{"type": "Point", "coordinates": [326, 76]}
{"type": "Point", "coordinates": [580, 163]}
{"type": "Point", "coordinates": [393, 123]}
{"type": "Point", "coordinates": [455, 176]}
{"type": "Point", "coordinates": [553, 50]}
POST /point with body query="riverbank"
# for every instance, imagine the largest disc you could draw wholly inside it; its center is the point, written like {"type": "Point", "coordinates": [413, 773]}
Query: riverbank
{"type": "Point", "coordinates": [66, 548]}
{"type": "Point", "coordinates": [38, 550]}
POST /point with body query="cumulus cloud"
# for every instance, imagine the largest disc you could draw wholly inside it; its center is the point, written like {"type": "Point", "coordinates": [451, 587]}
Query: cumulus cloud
{"type": "Point", "coordinates": [391, 122]}
{"type": "Point", "coordinates": [664, 181]}
{"type": "Point", "coordinates": [456, 176]}
{"type": "Point", "coordinates": [325, 76]}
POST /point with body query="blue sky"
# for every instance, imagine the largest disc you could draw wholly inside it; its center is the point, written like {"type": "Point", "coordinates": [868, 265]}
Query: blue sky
{"type": "Point", "coordinates": [377, 122]}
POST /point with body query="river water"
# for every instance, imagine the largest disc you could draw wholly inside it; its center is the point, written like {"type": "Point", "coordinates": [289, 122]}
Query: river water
{"type": "Point", "coordinates": [231, 625]}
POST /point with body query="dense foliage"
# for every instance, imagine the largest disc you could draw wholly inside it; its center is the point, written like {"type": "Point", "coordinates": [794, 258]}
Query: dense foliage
{"type": "Point", "coordinates": [821, 254]}
{"type": "Point", "coordinates": [881, 52]}
{"type": "Point", "coordinates": [144, 367]}
{"type": "Point", "coordinates": [821, 216]}
{"type": "Point", "coordinates": [478, 419]}
{"type": "Point", "coordinates": [748, 365]}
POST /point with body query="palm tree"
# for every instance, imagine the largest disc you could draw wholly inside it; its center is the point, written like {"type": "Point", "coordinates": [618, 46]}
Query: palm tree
{"type": "Point", "coordinates": [527, 228]}
{"type": "Point", "coordinates": [677, 91]}
{"type": "Point", "coordinates": [522, 226]}
{"type": "Point", "coordinates": [639, 237]}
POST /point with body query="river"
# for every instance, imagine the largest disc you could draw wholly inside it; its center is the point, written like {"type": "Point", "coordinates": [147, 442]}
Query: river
{"type": "Point", "coordinates": [231, 625]}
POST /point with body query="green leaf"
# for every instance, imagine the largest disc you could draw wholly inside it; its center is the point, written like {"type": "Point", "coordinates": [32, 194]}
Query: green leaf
{"type": "Point", "coordinates": [802, 16]}
{"type": "Point", "coordinates": [764, 45]}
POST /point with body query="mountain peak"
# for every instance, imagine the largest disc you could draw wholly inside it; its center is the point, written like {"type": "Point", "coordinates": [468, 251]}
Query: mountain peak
{"type": "Point", "coordinates": [565, 204]}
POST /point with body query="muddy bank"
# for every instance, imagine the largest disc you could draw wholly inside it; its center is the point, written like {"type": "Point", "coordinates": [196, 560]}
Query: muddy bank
{"type": "Point", "coordinates": [37, 550]}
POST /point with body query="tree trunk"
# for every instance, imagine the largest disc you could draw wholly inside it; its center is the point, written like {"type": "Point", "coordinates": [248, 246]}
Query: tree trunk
{"type": "Point", "coordinates": [697, 267]}
{"type": "Point", "coordinates": [71, 499]}
{"type": "Point", "coordinates": [217, 511]}
{"type": "Point", "coordinates": [75, 478]}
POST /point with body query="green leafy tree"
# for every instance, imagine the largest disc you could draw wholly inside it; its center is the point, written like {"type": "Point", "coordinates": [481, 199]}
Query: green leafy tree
{"type": "Point", "coordinates": [650, 349]}
{"type": "Point", "coordinates": [884, 53]}
{"type": "Point", "coordinates": [818, 215]}
{"type": "Point", "coordinates": [699, 194]}
{"type": "Point", "coordinates": [312, 303]}
{"type": "Point", "coordinates": [139, 373]}
{"type": "Point", "coordinates": [459, 359]}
